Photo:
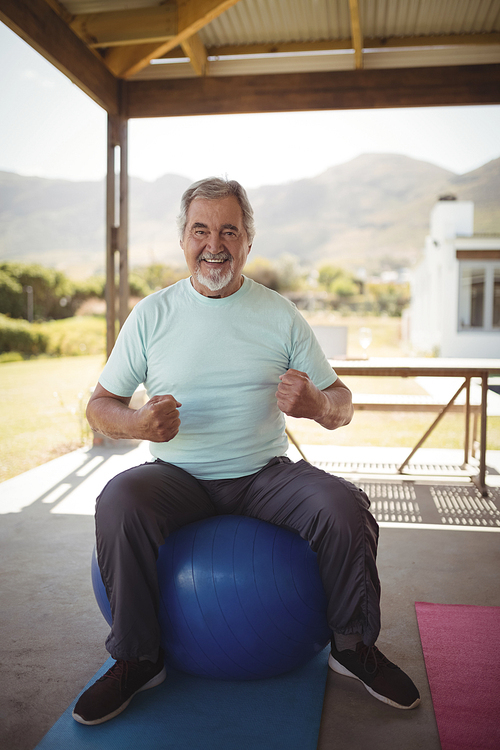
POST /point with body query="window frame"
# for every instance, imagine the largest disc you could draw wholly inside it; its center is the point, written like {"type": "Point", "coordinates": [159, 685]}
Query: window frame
{"type": "Point", "coordinates": [488, 267]}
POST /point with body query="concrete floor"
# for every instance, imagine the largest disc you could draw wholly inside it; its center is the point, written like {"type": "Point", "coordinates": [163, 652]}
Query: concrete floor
{"type": "Point", "coordinates": [52, 633]}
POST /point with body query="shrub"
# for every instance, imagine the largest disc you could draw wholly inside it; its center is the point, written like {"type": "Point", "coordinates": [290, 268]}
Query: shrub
{"type": "Point", "coordinates": [337, 281]}
{"type": "Point", "coordinates": [263, 271]}
{"type": "Point", "coordinates": [20, 336]}
{"type": "Point", "coordinates": [11, 296]}
{"type": "Point", "coordinates": [155, 276]}
{"type": "Point", "coordinates": [84, 334]}
{"type": "Point", "coordinates": [52, 291]}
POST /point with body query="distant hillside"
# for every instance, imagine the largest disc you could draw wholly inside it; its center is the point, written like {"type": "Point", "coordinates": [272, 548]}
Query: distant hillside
{"type": "Point", "coordinates": [372, 211]}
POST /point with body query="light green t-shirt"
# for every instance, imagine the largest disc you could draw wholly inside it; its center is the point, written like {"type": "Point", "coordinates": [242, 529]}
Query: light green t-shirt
{"type": "Point", "coordinates": [221, 359]}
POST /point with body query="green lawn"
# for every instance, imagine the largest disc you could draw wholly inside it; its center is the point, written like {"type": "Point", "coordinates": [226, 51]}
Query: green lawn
{"type": "Point", "coordinates": [42, 412]}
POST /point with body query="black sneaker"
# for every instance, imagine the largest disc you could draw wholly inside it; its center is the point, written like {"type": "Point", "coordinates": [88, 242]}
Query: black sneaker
{"type": "Point", "coordinates": [112, 693]}
{"type": "Point", "coordinates": [383, 679]}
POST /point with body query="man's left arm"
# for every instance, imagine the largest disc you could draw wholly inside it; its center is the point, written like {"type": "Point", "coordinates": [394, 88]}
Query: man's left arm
{"type": "Point", "coordinates": [297, 396]}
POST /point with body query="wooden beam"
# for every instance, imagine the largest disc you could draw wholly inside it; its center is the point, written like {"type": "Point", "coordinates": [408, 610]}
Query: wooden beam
{"type": "Point", "coordinates": [192, 17]}
{"type": "Point", "coordinates": [195, 50]}
{"type": "Point", "coordinates": [136, 26]}
{"type": "Point", "coordinates": [478, 254]}
{"type": "Point", "coordinates": [43, 29]}
{"type": "Point", "coordinates": [357, 37]}
{"type": "Point", "coordinates": [339, 44]}
{"type": "Point", "coordinates": [298, 92]}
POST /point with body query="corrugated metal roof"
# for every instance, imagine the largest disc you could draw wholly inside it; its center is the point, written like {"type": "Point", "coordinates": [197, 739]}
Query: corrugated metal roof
{"type": "Point", "coordinates": [267, 21]}
{"type": "Point", "coordinates": [254, 21]}
{"type": "Point", "coordinates": [382, 18]}
{"type": "Point", "coordinates": [306, 22]}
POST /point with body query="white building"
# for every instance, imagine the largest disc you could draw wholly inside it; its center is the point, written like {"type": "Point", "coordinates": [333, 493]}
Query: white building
{"type": "Point", "coordinates": [455, 290]}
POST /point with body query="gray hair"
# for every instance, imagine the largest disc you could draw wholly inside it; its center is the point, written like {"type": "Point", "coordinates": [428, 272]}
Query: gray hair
{"type": "Point", "coordinates": [215, 188]}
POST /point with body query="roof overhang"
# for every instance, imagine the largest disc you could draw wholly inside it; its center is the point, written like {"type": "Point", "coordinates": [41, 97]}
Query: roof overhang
{"type": "Point", "coordinates": [143, 58]}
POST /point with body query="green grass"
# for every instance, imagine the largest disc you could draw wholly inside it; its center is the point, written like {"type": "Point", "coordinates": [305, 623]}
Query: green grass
{"type": "Point", "coordinates": [42, 412]}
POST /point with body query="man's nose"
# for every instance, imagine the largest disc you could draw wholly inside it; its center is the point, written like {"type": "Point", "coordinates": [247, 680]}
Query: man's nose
{"type": "Point", "coordinates": [214, 243]}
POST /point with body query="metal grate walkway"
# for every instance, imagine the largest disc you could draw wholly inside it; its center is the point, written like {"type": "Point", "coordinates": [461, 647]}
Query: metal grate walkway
{"type": "Point", "coordinates": [380, 467]}
{"type": "Point", "coordinates": [436, 504]}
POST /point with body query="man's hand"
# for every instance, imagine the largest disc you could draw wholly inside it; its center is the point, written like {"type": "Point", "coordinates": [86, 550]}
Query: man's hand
{"type": "Point", "coordinates": [158, 420]}
{"type": "Point", "coordinates": [298, 396]}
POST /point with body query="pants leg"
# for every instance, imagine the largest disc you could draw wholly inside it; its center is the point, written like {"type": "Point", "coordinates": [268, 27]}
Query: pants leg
{"type": "Point", "coordinates": [332, 514]}
{"type": "Point", "coordinates": [135, 513]}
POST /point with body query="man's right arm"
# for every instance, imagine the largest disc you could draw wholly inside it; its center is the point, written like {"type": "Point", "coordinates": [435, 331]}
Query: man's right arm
{"type": "Point", "coordinates": [158, 420]}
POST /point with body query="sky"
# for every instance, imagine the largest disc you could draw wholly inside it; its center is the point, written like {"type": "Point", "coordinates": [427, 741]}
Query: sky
{"type": "Point", "coordinates": [49, 128]}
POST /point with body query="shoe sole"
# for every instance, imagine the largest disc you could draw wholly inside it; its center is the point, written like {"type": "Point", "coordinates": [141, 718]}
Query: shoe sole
{"type": "Point", "coordinates": [340, 669]}
{"type": "Point", "coordinates": [153, 682]}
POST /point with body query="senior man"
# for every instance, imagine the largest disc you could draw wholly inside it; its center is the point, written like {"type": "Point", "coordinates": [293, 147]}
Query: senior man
{"type": "Point", "coordinates": [223, 360]}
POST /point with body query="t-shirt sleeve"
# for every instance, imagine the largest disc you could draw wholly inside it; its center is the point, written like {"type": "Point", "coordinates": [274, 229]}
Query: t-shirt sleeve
{"type": "Point", "coordinates": [126, 367]}
{"type": "Point", "coordinates": [308, 356]}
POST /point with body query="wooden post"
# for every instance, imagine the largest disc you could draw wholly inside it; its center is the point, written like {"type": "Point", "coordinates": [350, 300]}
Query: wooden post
{"type": "Point", "coordinates": [110, 240]}
{"type": "Point", "coordinates": [467, 423]}
{"type": "Point", "coordinates": [482, 446]}
{"type": "Point", "coordinates": [116, 228]}
{"type": "Point", "coordinates": [123, 225]}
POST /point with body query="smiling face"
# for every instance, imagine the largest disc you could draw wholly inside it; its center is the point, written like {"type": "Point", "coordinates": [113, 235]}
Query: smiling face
{"type": "Point", "coordinates": [215, 246]}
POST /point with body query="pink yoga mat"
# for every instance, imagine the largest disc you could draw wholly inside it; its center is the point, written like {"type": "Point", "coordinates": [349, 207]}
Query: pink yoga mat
{"type": "Point", "coordinates": [461, 647]}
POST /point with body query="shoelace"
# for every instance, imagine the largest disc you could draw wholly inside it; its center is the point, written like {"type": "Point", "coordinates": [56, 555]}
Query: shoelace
{"type": "Point", "coordinates": [373, 655]}
{"type": "Point", "coordinates": [119, 671]}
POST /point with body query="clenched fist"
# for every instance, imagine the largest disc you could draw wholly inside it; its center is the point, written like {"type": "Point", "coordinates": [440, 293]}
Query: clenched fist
{"type": "Point", "coordinates": [298, 396]}
{"type": "Point", "coordinates": [158, 420]}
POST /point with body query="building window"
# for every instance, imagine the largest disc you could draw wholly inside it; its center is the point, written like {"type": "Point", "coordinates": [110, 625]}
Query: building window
{"type": "Point", "coordinates": [496, 298]}
{"type": "Point", "coordinates": [479, 298]}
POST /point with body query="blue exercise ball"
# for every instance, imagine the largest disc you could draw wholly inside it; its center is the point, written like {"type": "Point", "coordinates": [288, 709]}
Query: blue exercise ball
{"type": "Point", "coordinates": [240, 599]}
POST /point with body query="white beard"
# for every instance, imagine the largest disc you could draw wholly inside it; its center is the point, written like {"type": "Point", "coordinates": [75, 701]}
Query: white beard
{"type": "Point", "coordinates": [215, 279]}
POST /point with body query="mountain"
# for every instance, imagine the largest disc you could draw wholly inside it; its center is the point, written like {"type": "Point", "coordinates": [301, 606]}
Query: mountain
{"type": "Point", "coordinates": [372, 211]}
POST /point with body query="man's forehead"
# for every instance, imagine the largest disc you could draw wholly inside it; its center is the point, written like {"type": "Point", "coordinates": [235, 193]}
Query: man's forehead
{"type": "Point", "coordinates": [220, 210]}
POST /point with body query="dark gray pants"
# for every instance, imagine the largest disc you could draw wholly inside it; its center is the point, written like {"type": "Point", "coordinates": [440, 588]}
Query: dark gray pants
{"type": "Point", "coordinates": [139, 508]}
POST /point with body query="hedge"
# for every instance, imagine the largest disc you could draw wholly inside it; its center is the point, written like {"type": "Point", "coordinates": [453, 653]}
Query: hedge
{"type": "Point", "coordinates": [21, 336]}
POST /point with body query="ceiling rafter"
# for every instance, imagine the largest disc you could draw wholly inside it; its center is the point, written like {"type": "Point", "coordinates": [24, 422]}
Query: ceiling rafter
{"type": "Point", "coordinates": [48, 26]}
{"type": "Point", "coordinates": [193, 15]}
{"type": "Point", "coordinates": [197, 53]}
{"type": "Point", "coordinates": [121, 27]}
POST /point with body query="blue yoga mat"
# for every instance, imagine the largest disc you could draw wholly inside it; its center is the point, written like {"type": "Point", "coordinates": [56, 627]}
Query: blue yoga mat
{"type": "Point", "coordinates": [186, 712]}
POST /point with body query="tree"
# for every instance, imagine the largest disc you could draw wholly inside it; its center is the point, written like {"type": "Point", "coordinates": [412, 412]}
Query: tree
{"type": "Point", "coordinates": [159, 276]}
{"type": "Point", "coordinates": [54, 295]}
{"type": "Point", "coordinates": [337, 281]}
{"type": "Point", "coordinates": [263, 271]}
{"type": "Point", "coordinates": [389, 298]}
